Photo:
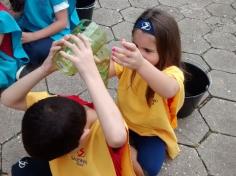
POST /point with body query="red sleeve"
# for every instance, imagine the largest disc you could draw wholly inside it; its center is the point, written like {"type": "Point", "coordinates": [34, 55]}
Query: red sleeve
{"type": "Point", "coordinates": [6, 45]}
{"type": "Point", "coordinates": [116, 155]}
{"type": "Point", "coordinates": [3, 7]}
{"type": "Point", "coordinates": [79, 100]}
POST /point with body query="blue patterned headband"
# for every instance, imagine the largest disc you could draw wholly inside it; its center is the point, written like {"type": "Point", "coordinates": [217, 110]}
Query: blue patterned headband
{"type": "Point", "coordinates": [145, 25]}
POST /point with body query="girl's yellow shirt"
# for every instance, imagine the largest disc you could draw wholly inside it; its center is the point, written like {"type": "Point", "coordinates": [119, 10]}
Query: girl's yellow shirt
{"type": "Point", "coordinates": [158, 119]}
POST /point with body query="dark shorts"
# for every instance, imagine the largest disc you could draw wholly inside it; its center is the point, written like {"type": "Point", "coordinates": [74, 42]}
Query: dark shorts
{"type": "Point", "coordinates": [38, 50]}
{"type": "Point", "coordinates": [151, 152]}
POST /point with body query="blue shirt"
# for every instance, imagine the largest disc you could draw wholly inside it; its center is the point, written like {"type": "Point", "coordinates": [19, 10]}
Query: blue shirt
{"type": "Point", "coordinates": [9, 65]}
{"type": "Point", "coordinates": [39, 14]}
{"type": "Point", "coordinates": [9, 25]}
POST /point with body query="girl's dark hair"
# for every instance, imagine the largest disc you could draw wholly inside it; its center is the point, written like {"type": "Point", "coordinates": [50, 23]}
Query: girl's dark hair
{"type": "Point", "coordinates": [167, 36]}
{"type": "Point", "coordinates": [17, 5]}
{"type": "Point", "coordinates": [52, 127]}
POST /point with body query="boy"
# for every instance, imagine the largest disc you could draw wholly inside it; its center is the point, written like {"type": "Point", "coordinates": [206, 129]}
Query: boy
{"type": "Point", "coordinates": [74, 138]}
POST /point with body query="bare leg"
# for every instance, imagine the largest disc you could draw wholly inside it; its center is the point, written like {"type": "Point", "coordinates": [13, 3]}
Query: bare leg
{"type": "Point", "coordinates": [137, 168]}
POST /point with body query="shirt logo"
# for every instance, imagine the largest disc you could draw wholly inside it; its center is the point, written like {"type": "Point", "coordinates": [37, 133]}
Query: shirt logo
{"type": "Point", "coordinates": [22, 164]}
{"type": "Point", "coordinates": [81, 152]}
{"type": "Point", "coordinates": [80, 158]}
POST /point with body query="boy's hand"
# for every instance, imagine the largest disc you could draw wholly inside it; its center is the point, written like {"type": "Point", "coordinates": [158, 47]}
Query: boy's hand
{"type": "Point", "coordinates": [81, 55]}
{"type": "Point", "coordinates": [128, 56]}
{"type": "Point", "coordinates": [48, 65]}
{"type": "Point", "coordinates": [27, 37]}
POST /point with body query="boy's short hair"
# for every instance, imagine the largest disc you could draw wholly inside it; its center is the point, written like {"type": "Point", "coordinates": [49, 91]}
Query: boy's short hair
{"type": "Point", "coordinates": [52, 127]}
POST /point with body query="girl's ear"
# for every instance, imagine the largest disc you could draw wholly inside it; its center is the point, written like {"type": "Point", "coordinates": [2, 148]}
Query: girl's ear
{"type": "Point", "coordinates": [84, 136]}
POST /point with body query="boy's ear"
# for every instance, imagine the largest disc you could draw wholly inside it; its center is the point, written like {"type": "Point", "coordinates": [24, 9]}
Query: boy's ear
{"type": "Point", "coordinates": [84, 136]}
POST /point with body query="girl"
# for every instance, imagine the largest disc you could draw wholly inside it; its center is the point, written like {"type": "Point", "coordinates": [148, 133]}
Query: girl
{"type": "Point", "coordinates": [150, 89]}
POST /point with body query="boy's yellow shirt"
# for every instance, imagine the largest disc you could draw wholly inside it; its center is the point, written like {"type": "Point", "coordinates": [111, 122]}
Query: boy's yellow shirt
{"type": "Point", "coordinates": [92, 159]}
{"type": "Point", "coordinates": [159, 119]}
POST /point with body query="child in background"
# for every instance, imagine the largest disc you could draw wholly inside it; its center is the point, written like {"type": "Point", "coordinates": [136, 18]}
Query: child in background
{"type": "Point", "coordinates": [44, 21]}
{"type": "Point", "coordinates": [150, 89]}
{"type": "Point", "coordinates": [76, 139]}
{"type": "Point", "coordinates": [17, 6]}
{"type": "Point", "coordinates": [12, 55]}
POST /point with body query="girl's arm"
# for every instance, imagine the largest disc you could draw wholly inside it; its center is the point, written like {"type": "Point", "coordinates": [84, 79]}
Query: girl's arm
{"type": "Point", "coordinates": [1, 38]}
{"type": "Point", "coordinates": [59, 24]}
{"type": "Point", "coordinates": [130, 57]}
{"type": "Point", "coordinates": [161, 83]}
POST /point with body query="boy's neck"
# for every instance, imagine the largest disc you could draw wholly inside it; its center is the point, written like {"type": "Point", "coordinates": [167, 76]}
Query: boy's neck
{"type": "Point", "coordinates": [91, 117]}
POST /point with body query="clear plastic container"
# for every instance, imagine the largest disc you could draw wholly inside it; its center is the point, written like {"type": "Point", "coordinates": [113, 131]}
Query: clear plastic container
{"type": "Point", "coordinates": [103, 62]}
{"type": "Point", "coordinates": [98, 44]}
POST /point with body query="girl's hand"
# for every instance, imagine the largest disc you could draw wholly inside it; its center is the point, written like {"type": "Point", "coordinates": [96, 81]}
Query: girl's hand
{"type": "Point", "coordinates": [82, 55]}
{"type": "Point", "coordinates": [48, 65]}
{"type": "Point", "coordinates": [128, 56]}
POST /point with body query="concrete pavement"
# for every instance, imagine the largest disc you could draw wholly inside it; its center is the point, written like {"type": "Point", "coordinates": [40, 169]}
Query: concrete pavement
{"type": "Point", "coordinates": [207, 137]}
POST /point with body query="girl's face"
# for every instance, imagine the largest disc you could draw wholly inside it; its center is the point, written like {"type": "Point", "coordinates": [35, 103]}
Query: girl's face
{"type": "Point", "coordinates": [146, 43]}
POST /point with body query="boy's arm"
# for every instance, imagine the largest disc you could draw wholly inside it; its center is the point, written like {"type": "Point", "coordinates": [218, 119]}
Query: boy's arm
{"type": "Point", "coordinates": [108, 113]}
{"type": "Point", "coordinates": [15, 95]}
{"type": "Point", "coordinates": [59, 24]}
